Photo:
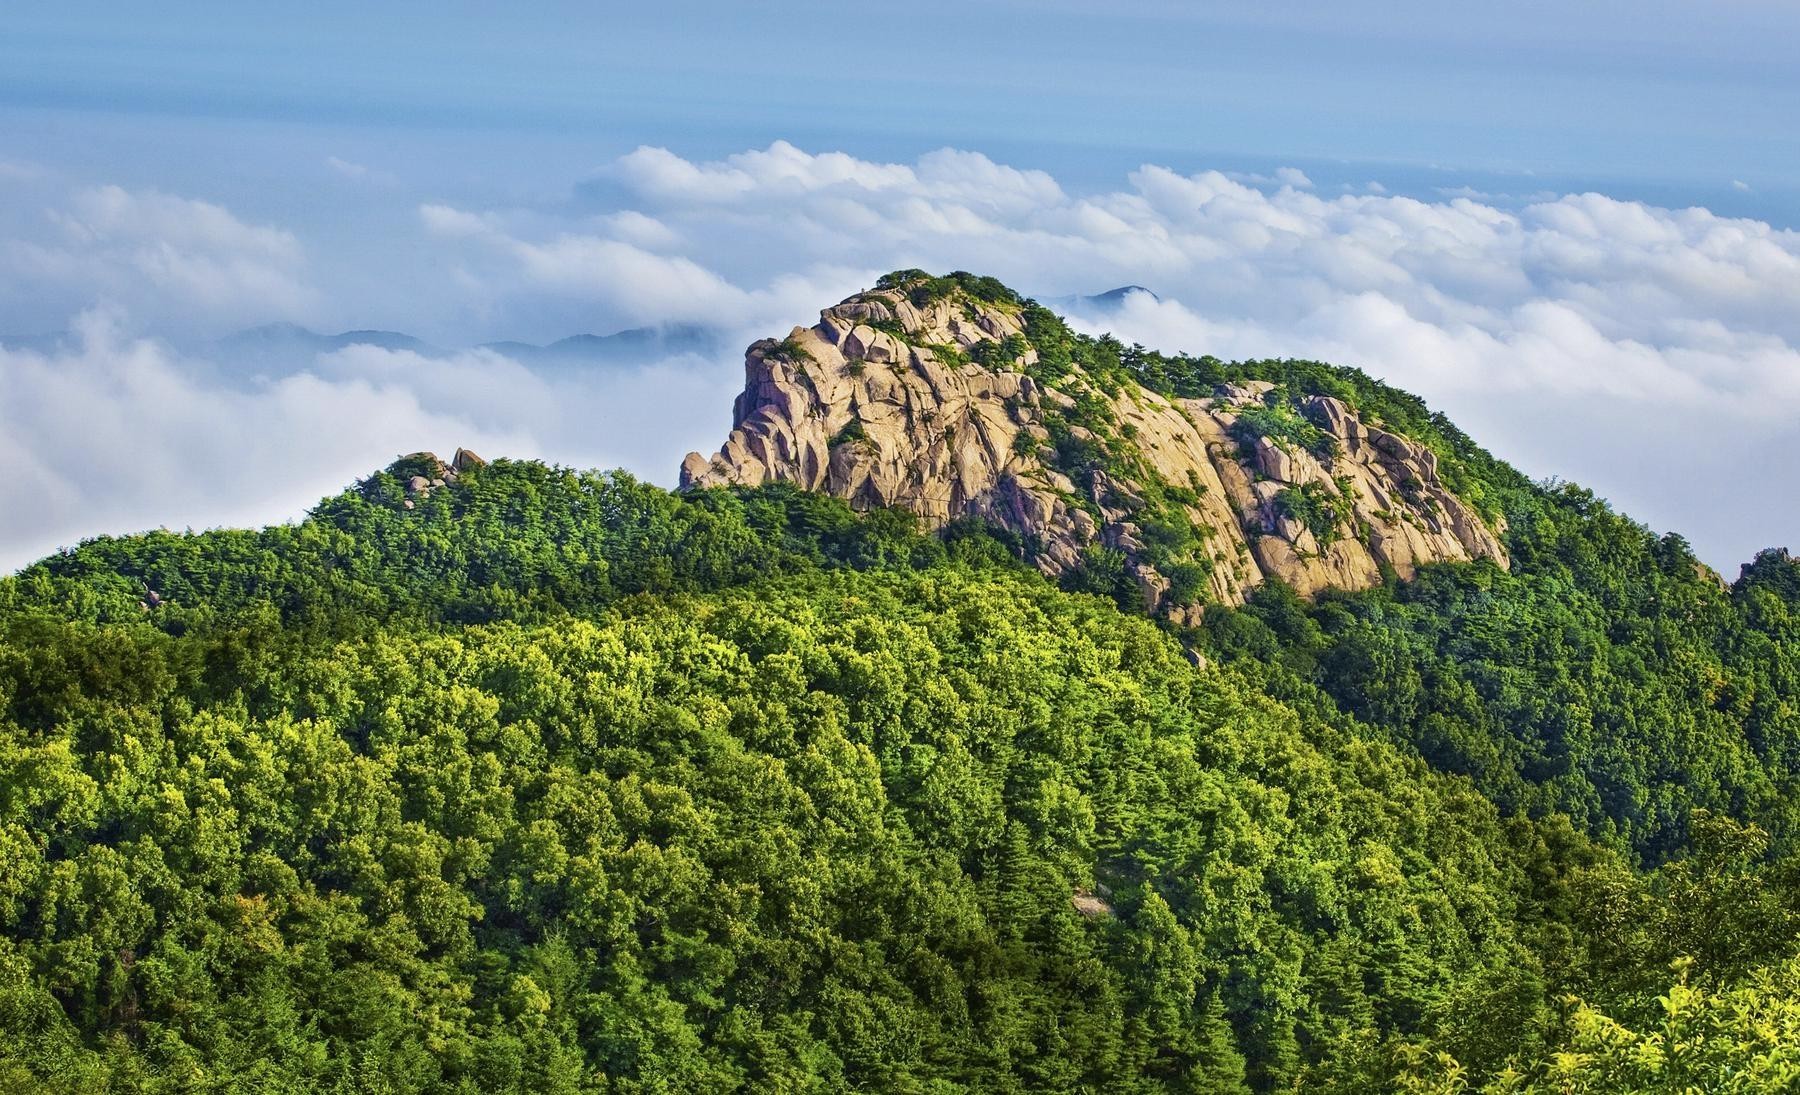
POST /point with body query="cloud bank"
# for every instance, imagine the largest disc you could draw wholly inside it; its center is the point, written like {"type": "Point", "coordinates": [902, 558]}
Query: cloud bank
{"type": "Point", "coordinates": [159, 255]}
{"type": "Point", "coordinates": [1651, 353]}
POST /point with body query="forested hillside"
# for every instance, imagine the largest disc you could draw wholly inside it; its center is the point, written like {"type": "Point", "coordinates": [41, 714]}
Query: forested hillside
{"type": "Point", "coordinates": [557, 781]}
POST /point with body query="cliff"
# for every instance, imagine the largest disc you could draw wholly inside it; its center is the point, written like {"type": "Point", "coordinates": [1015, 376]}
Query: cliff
{"type": "Point", "coordinates": [931, 395]}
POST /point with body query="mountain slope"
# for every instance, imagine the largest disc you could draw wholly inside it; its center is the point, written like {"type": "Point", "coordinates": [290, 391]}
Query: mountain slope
{"type": "Point", "coordinates": [528, 779]}
{"type": "Point", "coordinates": [564, 782]}
{"type": "Point", "coordinates": [933, 396]}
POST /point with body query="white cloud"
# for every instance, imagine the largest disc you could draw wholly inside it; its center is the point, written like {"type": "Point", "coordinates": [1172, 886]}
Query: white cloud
{"type": "Point", "coordinates": [638, 281]}
{"type": "Point", "coordinates": [118, 434]}
{"type": "Point", "coordinates": [1621, 309]}
{"type": "Point", "coordinates": [587, 416]}
{"type": "Point", "coordinates": [659, 174]}
{"type": "Point", "coordinates": [1294, 177]}
{"type": "Point", "coordinates": [107, 214]}
{"type": "Point", "coordinates": [1562, 330]}
{"type": "Point", "coordinates": [155, 254]}
{"type": "Point", "coordinates": [635, 228]}
{"type": "Point", "coordinates": [622, 274]}
{"type": "Point", "coordinates": [362, 173]}
{"type": "Point", "coordinates": [444, 220]}
{"type": "Point", "coordinates": [783, 174]}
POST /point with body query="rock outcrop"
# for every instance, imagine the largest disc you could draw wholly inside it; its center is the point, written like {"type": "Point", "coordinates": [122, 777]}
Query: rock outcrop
{"type": "Point", "coordinates": [422, 472]}
{"type": "Point", "coordinates": [928, 402]}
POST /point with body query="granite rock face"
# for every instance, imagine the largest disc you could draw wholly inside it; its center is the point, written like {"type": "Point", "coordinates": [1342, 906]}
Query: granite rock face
{"type": "Point", "coordinates": [927, 405]}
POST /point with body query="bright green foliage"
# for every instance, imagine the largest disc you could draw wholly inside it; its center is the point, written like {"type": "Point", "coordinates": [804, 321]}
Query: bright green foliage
{"type": "Point", "coordinates": [1743, 1039]}
{"type": "Point", "coordinates": [782, 797]}
{"type": "Point", "coordinates": [561, 782]}
{"type": "Point", "coordinates": [1281, 423]}
{"type": "Point", "coordinates": [829, 828]}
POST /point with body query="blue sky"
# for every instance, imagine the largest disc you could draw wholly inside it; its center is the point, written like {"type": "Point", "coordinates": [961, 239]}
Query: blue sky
{"type": "Point", "coordinates": [1569, 225]}
{"type": "Point", "coordinates": [1669, 100]}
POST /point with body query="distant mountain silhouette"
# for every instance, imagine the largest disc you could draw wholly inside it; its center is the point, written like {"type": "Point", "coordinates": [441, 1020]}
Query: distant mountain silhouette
{"type": "Point", "coordinates": [635, 346]}
{"type": "Point", "coordinates": [280, 339]}
{"type": "Point", "coordinates": [293, 344]}
{"type": "Point", "coordinates": [1113, 298]}
{"type": "Point", "coordinates": [276, 347]}
{"type": "Point", "coordinates": [1100, 303]}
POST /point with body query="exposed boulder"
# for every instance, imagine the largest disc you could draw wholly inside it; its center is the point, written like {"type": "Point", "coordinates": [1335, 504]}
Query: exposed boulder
{"type": "Point", "coordinates": [426, 464]}
{"type": "Point", "coordinates": [420, 473]}
{"type": "Point", "coordinates": [1092, 906]}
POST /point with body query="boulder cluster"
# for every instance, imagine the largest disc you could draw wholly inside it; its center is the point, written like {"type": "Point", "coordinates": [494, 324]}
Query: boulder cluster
{"type": "Point", "coordinates": [929, 408]}
{"type": "Point", "coordinates": [419, 486]}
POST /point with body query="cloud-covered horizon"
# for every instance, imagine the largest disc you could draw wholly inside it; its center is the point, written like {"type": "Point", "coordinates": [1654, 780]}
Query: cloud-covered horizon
{"type": "Point", "coordinates": [1651, 353]}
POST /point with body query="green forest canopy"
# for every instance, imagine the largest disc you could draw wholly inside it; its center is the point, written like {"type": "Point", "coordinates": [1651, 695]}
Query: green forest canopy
{"type": "Point", "coordinates": [559, 781]}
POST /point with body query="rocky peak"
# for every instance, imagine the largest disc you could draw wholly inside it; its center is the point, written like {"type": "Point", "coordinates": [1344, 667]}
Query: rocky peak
{"type": "Point", "coordinates": [930, 395]}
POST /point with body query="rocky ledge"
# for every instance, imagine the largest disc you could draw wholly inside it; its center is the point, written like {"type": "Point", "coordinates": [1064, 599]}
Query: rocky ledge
{"type": "Point", "coordinates": [933, 400]}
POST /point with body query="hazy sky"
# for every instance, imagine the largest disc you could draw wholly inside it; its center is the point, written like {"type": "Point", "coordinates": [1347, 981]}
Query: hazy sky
{"type": "Point", "coordinates": [1569, 225]}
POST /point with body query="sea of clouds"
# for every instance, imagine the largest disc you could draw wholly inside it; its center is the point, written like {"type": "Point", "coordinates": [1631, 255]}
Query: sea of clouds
{"type": "Point", "coordinates": [1651, 353]}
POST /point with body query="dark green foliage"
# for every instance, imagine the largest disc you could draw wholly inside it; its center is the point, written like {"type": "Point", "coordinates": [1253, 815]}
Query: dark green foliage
{"type": "Point", "coordinates": [852, 431]}
{"type": "Point", "coordinates": [1318, 507]}
{"type": "Point", "coordinates": [1057, 346]}
{"type": "Point", "coordinates": [898, 278]}
{"type": "Point", "coordinates": [999, 354]}
{"type": "Point", "coordinates": [1773, 570]}
{"type": "Point", "coordinates": [511, 540]}
{"type": "Point", "coordinates": [923, 289]}
{"type": "Point", "coordinates": [791, 349]}
{"type": "Point", "coordinates": [1102, 571]}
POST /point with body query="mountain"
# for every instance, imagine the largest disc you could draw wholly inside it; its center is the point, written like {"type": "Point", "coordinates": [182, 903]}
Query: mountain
{"type": "Point", "coordinates": [284, 340]}
{"type": "Point", "coordinates": [499, 776]}
{"type": "Point", "coordinates": [934, 396]}
{"type": "Point", "coordinates": [289, 344]}
{"type": "Point", "coordinates": [636, 346]}
{"type": "Point", "coordinates": [1112, 298]}
{"type": "Point", "coordinates": [1097, 305]}
{"type": "Point", "coordinates": [1100, 304]}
